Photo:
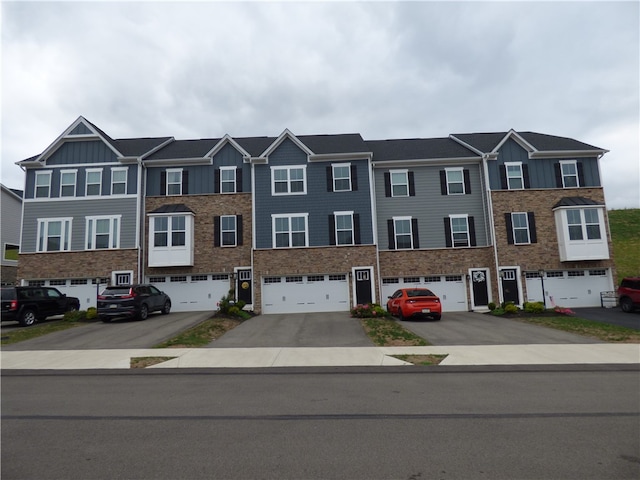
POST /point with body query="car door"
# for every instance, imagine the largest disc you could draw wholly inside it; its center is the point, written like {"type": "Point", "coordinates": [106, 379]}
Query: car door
{"type": "Point", "coordinates": [395, 300]}
{"type": "Point", "coordinates": [56, 303]}
{"type": "Point", "coordinates": [156, 297]}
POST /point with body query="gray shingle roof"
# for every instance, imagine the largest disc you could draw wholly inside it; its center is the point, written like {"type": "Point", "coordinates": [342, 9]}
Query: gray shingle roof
{"type": "Point", "coordinates": [576, 202]}
{"type": "Point", "coordinates": [417, 149]}
{"type": "Point", "coordinates": [487, 142]}
{"type": "Point", "coordinates": [185, 149]}
{"type": "Point", "coordinates": [135, 147]}
{"type": "Point", "coordinates": [176, 208]}
{"type": "Point", "coordinates": [342, 143]}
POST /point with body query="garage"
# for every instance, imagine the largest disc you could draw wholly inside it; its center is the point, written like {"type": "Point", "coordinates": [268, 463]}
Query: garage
{"type": "Point", "coordinates": [305, 293]}
{"type": "Point", "coordinates": [569, 288]}
{"type": "Point", "coordinates": [193, 293]}
{"type": "Point", "coordinates": [450, 288]}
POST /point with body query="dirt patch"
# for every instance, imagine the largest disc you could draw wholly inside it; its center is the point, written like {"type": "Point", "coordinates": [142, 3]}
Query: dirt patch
{"type": "Point", "coordinates": [422, 359]}
{"type": "Point", "coordinates": [144, 362]}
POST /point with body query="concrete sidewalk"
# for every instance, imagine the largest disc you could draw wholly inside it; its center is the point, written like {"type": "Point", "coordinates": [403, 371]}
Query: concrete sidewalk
{"type": "Point", "coordinates": [557, 354]}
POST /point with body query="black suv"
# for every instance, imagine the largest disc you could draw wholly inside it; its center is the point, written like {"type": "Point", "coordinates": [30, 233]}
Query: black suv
{"type": "Point", "coordinates": [30, 304]}
{"type": "Point", "coordinates": [132, 301]}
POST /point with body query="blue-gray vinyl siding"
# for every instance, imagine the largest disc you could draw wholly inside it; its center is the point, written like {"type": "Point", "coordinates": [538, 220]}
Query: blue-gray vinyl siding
{"type": "Point", "coordinates": [78, 211]}
{"type": "Point", "coordinates": [90, 151]}
{"type": "Point", "coordinates": [430, 207]}
{"type": "Point", "coordinates": [81, 178]}
{"type": "Point", "coordinates": [202, 177]}
{"type": "Point", "coordinates": [81, 129]}
{"type": "Point", "coordinates": [542, 172]}
{"type": "Point", "coordinates": [318, 202]}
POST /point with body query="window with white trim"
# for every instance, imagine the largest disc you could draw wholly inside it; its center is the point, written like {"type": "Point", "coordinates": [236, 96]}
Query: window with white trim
{"type": "Point", "coordinates": [103, 232]}
{"type": "Point", "coordinates": [174, 181]}
{"type": "Point", "coordinates": [227, 179]}
{"type": "Point", "coordinates": [515, 180]}
{"type": "Point", "coordinates": [344, 228]}
{"type": "Point", "coordinates": [455, 181]}
{"type": "Point", "coordinates": [119, 181]}
{"type": "Point", "coordinates": [68, 183]}
{"type": "Point", "coordinates": [520, 225]}
{"type": "Point", "coordinates": [399, 183]}
{"type": "Point", "coordinates": [290, 230]}
{"type": "Point", "coordinates": [43, 184]}
{"type": "Point", "coordinates": [94, 182]}
{"type": "Point", "coordinates": [584, 224]}
{"type": "Point", "coordinates": [54, 235]}
{"type": "Point", "coordinates": [460, 230]}
{"type": "Point", "coordinates": [289, 180]}
{"type": "Point", "coordinates": [569, 171]}
{"type": "Point", "coordinates": [402, 232]}
{"type": "Point", "coordinates": [341, 177]}
{"type": "Point", "coordinates": [228, 231]}
{"type": "Point", "coordinates": [169, 231]}
{"type": "Point", "coordinates": [10, 253]}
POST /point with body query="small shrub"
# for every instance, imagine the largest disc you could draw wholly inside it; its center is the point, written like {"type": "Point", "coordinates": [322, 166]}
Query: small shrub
{"type": "Point", "coordinates": [510, 308]}
{"type": "Point", "coordinates": [533, 307]}
{"type": "Point", "coordinates": [498, 311]}
{"type": "Point", "coordinates": [368, 310]}
{"type": "Point", "coordinates": [492, 306]}
{"type": "Point", "coordinates": [234, 311]}
{"type": "Point", "coordinates": [92, 313]}
{"type": "Point", "coordinates": [75, 316]}
{"type": "Point", "coordinates": [240, 304]}
{"type": "Point", "coordinates": [227, 302]}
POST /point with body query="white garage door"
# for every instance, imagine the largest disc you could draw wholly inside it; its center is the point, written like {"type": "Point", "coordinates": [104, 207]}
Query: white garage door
{"type": "Point", "coordinates": [193, 293]}
{"type": "Point", "coordinates": [82, 289]}
{"type": "Point", "coordinates": [569, 288]}
{"type": "Point", "coordinates": [450, 288]}
{"type": "Point", "coordinates": [305, 294]}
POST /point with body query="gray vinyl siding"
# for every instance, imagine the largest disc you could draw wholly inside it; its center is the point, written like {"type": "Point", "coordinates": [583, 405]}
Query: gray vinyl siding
{"type": "Point", "coordinates": [202, 177]}
{"type": "Point", "coordinates": [541, 170]}
{"type": "Point", "coordinates": [318, 202]}
{"type": "Point", "coordinates": [81, 129]}
{"type": "Point", "coordinates": [132, 179]}
{"type": "Point", "coordinates": [11, 213]}
{"type": "Point", "coordinates": [92, 151]}
{"type": "Point", "coordinates": [78, 211]}
{"type": "Point", "coordinates": [429, 206]}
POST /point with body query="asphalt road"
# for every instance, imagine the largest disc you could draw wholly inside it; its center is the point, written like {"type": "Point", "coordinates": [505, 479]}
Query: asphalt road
{"type": "Point", "coordinates": [392, 423]}
{"type": "Point", "coordinates": [614, 316]}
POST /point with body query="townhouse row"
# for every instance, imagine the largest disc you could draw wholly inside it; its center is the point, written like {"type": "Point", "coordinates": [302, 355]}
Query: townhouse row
{"type": "Point", "coordinates": [319, 222]}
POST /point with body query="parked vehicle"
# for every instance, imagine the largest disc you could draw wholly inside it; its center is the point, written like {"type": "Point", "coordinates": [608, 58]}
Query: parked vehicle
{"type": "Point", "coordinates": [134, 301]}
{"type": "Point", "coordinates": [629, 294]}
{"type": "Point", "coordinates": [29, 305]}
{"type": "Point", "coordinates": [415, 302]}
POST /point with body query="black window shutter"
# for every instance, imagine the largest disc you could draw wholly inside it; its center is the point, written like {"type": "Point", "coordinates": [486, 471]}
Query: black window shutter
{"type": "Point", "coordinates": [443, 182]}
{"type": "Point", "coordinates": [467, 182]}
{"type": "Point", "coordinates": [356, 228]}
{"type": "Point", "coordinates": [387, 184]}
{"type": "Point", "coordinates": [447, 231]}
{"type": "Point", "coordinates": [558, 170]}
{"type": "Point", "coordinates": [414, 232]}
{"type": "Point", "coordinates": [163, 183]}
{"type": "Point", "coordinates": [412, 185]}
{"type": "Point", "coordinates": [185, 182]}
{"type": "Point", "coordinates": [392, 237]}
{"type": "Point", "coordinates": [329, 178]}
{"type": "Point", "coordinates": [509, 223]}
{"type": "Point", "coordinates": [332, 229]}
{"type": "Point", "coordinates": [503, 177]}
{"type": "Point", "coordinates": [580, 168]}
{"type": "Point", "coordinates": [532, 227]}
{"type": "Point", "coordinates": [239, 229]}
{"type": "Point", "coordinates": [525, 175]}
{"type": "Point", "coordinates": [216, 181]}
{"type": "Point", "coordinates": [239, 179]}
{"type": "Point", "coordinates": [216, 231]}
{"type": "Point", "coordinates": [354, 178]}
{"type": "Point", "coordinates": [472, 231]}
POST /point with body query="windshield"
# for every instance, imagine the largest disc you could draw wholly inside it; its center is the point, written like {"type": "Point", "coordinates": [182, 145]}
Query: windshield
{"type": "Point", "coordinates": [420, 293]}
{"type": "Point", "coordinates": [116, 291]}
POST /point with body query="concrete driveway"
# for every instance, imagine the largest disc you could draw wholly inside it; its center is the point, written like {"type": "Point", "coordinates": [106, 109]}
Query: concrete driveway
{"type": "Point", "coordinates": [468, 328]}
{"type": "Point", "coordinates": [332, 329]}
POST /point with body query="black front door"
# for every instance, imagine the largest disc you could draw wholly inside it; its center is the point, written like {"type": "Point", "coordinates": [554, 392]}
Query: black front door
{"type": "Point", "coordinates": [363, 286]}
{"type": "Point", "coordinates": [480, 288]}
{"type": "Point", "coordinates": [509, 283]}
{"type": "Point", "coordinates": [243, 286]}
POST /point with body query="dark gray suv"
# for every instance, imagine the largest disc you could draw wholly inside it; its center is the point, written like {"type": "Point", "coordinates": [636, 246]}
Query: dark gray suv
{"type": "Point", "coordinates": [133, 301]}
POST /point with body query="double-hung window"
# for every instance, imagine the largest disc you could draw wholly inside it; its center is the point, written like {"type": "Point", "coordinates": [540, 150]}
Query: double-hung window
{"type": "Point", "coordinates": [228, 231]}
{"type": "Point", "coordinates": [515, 180]}
{"type": "Point", "coordinates": [344, 228]}
{"type": "Point", "coordinates": [54, 235]}
{"type": "Point", "coordinates": [119, 181]}
{"type": "Point", "coordinates": [169, 231]}
{"type": "Point", "coordinates": [94, 182]}
{"type": "Point", "coordinates": [403, 233]}
{"type": "Point", "coordinates": [289, 180]}
{"type": "Point", "coordinates": [399, 183]}
{"type": "Point", "coordinates": [43, 184]}
{"type": "Point", "coordinates": [174, 181]}
{"type": "Point", "coordinates": [68, 183]}
{"type": "Point", "coordinates": [583, 224]}
{"type": "Point", "coordinates": [227, 179]}
{"type": "Point", "coordinates": [460, 230]}
{"type": "Point", "coordinates": [341, 177]}
{"type": "Point", "coordinates": [520, 226]}
{"type": "Point", "coordinates": [103, 232]}
{"type": "Point", "coordinates": [290, 230]}
{"type": "Point", "coordinates": [455, 181]}
{"type": "Point", "coordinates": [569, 172]}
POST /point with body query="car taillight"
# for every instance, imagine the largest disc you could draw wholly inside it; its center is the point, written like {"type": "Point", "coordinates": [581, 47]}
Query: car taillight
{"type": "Point", "coordinates": [101, 297]}
{"type": "Point", "coordinates": [14, 305]}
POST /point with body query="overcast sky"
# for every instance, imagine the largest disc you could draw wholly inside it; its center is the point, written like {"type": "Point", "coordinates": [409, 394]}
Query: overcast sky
{"type": "Point", "coordinates": [385, 70]}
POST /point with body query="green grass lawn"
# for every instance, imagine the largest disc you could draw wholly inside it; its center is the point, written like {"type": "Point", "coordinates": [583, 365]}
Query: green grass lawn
{"type": "Point", "coordinates": [625, 236]}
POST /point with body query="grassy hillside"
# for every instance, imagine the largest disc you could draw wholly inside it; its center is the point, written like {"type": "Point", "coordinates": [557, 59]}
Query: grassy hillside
{"type": "Point", "coordinates": [625, 234]}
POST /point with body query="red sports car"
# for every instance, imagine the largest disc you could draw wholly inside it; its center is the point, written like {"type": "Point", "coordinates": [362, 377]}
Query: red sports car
{"type": "Point", "coordinates": [415, 302]}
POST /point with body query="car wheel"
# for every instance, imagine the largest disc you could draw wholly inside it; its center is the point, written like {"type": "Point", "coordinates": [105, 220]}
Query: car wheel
{"type": "Point", "coordinates": [400, 316]}
{"type": "Point", "coordinates": [105, 320]}
{"type": "Point", "coordinates": [144, 312]}
{"type": "Point", "coordinates": [72, 308]}
{"type": "Point", "coordinates": [167, 308]}
{"type": "Point", "coordinates": [626, 304]}
{"type": "Point", "coordinates": [436, 317]}
{"type": "Point", "coordinates": [28, 318]}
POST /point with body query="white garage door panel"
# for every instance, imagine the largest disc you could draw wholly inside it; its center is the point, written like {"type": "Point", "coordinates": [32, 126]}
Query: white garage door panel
{"type": "Point", "coordinates": [305, 294]}
{"type": "Point", "coordinates": [85, 293]}
{"type": "Point", "coordinates": [194, 296]}
{"type": "Point", "coordinates": [570, 291]}
{"type": "Point", "coordinates": [450, 288]}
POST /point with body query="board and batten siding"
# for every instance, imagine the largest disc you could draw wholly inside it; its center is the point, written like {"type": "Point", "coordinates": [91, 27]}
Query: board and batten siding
{"type": "Point", "coordinates": [78, 211]}
{"type": "Point", "coordinates": [429, 206]}
{"type": "Point", "coordinates": [80, 152]}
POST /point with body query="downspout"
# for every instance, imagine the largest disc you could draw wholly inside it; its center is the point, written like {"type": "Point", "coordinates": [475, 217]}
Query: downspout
{"type": "Point", "coordinates": [491, 223]}
{"type": "Point", "coordinates": [253, 236]}
{"type": "Point", "coordinates": [141, 218]}
{"type": "Point", "coordinates": [374, 224]}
